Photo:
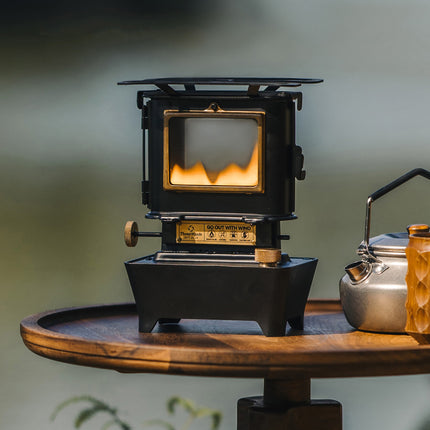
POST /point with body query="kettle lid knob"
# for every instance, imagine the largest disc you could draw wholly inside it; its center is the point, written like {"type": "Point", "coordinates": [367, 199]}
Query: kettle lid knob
{"type": "Point", "coordinates": [418, 228]}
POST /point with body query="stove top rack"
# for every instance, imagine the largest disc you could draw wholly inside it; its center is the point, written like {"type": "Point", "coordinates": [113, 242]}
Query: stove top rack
{"type": "Point", "coordinates": [256, 86]}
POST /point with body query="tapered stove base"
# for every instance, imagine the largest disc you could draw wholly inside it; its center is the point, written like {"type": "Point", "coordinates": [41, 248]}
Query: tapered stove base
{"type": "Point", "coordinates": [271, 296]}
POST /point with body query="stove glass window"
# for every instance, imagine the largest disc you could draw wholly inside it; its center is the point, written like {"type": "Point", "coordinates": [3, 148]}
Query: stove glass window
{"type": "Point", "coordinates": [214, 153]}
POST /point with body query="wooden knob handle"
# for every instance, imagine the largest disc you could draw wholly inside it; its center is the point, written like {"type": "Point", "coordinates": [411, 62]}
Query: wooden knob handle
{"type": "Point", "coordinates": [130, 236]}
{"type": "Point", "coordinates": [267, 255]}
{"type": "Point", "coordinates": [418, 228]}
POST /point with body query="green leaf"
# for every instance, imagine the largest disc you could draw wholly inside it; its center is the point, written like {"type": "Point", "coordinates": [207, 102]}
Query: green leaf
{"type": "Point", "coordinates": [85, 414]}
{"type": "Point", "coordinates": [215, 415]}
{"type": "Point", "coordinates": [204, 412]}
{"type": "Point", "coordinates": [159, 422]}
{"type": "Point", "coordinates": [78, 399]}
{"type": "Point", "coordinates": [216, 420]}
{"type": "Point", "coordinates": [187, 404]}
{"type": "Point", "coordinates": [124, 426]}
{"type": "Point", "coordinates": [88, 413]}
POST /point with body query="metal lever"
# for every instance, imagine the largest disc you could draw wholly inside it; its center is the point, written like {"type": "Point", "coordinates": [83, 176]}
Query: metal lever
{"type": "Point", "coordinates": [298, 161]}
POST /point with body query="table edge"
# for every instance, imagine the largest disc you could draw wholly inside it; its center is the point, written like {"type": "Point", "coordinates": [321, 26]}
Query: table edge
{"type": "Point", "coordinates": [52, 345]}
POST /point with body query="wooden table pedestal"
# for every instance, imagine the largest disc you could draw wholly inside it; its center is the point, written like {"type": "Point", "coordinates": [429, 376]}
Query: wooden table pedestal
{"type": "Point", "coordinates": [287, 405]}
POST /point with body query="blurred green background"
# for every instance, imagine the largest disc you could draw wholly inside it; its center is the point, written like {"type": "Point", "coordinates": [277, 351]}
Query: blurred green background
{"type": "Point", "coordinates": [70, 169]}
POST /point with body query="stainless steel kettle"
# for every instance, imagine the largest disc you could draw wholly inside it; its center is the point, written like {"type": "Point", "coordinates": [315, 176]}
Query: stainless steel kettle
{"type": "Point", "coordinates": [373, 290]}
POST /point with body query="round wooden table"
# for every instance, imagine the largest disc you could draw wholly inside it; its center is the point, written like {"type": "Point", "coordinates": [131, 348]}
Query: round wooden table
{"type": "Point", "coordinates": [107, 337]}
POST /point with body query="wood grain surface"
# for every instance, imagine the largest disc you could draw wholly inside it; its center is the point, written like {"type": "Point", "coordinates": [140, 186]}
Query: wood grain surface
{"type": "Point", "coordinates": [107, 337]}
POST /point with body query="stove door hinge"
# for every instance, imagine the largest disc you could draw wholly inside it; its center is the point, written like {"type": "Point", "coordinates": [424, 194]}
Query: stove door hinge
{"type": "Point", "coordinates": [145, 192]}
{"type": "Point", "coordinates": [139, 99]}
{"type": "Point", "coordinates": [299, 98]}
{"type": "Point", "coordinates": [145, 117]}
{"type": "Point", "coordinates": [298, 161]}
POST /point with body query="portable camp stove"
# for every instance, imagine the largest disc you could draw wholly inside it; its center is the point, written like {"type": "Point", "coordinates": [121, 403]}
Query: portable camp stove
{"type": "Point", "coordinates": [222, 166]}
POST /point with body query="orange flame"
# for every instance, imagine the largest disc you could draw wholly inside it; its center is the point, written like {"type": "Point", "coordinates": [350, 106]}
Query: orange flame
{"type": "Point", "coordinates": [230, 175]}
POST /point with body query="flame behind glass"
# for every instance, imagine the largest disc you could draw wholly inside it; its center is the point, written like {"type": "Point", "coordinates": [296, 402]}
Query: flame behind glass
{"type": "Point", "coordinates": [213, 151]}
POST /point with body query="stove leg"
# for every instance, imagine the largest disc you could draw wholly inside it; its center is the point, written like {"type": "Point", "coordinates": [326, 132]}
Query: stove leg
{"type": "Point", "coordinates": [297, 323]}
{"type": "Point", "coordinates": [147, 323]}
{"type": "Point", "coordinates": [286, 405]}
{"type": "Point", "coordinates": [273, 326]}
{"type": "Point", "coordinates": [169, 320]}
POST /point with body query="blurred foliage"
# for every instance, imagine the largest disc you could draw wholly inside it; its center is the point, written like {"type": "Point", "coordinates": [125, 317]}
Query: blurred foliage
{"type": "Point", "coordinates": [97, 406]}
{"type": "Point", "coordinates": [87, 413]}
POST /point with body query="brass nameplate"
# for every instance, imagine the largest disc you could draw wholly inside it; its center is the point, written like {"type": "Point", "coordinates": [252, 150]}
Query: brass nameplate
{"type": "Point", "coordinates": [217, 233]}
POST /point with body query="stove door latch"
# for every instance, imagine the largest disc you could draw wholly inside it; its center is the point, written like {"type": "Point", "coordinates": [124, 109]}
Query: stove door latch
{"type": "Point", "coordinates": [298, 161]}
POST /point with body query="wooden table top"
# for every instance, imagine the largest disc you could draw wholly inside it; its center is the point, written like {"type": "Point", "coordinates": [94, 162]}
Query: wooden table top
{"type": "Point", "coordinates": [107, 337]}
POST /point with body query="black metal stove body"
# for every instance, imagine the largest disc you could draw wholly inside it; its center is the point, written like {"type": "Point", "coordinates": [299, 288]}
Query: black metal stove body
{"type": "Point", "coordinates": [222, 168]}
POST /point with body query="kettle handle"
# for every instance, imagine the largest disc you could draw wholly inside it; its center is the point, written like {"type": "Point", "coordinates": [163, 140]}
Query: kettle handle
{"type": "Point", "coordinates": [384, 190]}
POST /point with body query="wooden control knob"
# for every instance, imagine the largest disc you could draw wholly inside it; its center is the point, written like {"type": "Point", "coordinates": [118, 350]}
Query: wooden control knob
{"type": "Point", "coordinates": [418, 228]}
{"type": "Point", "coordinates": [130, 233]}
{"type": "Point", "coordinates": [269, 256]}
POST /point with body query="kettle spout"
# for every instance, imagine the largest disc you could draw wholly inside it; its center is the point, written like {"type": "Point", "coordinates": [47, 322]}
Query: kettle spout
{"type": "Point", "coordinates": [358, 271]}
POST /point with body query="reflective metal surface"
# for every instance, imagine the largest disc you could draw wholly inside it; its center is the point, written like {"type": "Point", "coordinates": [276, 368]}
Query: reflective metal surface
{"type": "Point", "coordinates": [388, 245]}
{"type": "Point", "coordinates": [358, 271]}
{"type": "Point", "coordinates": [377, 303]}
